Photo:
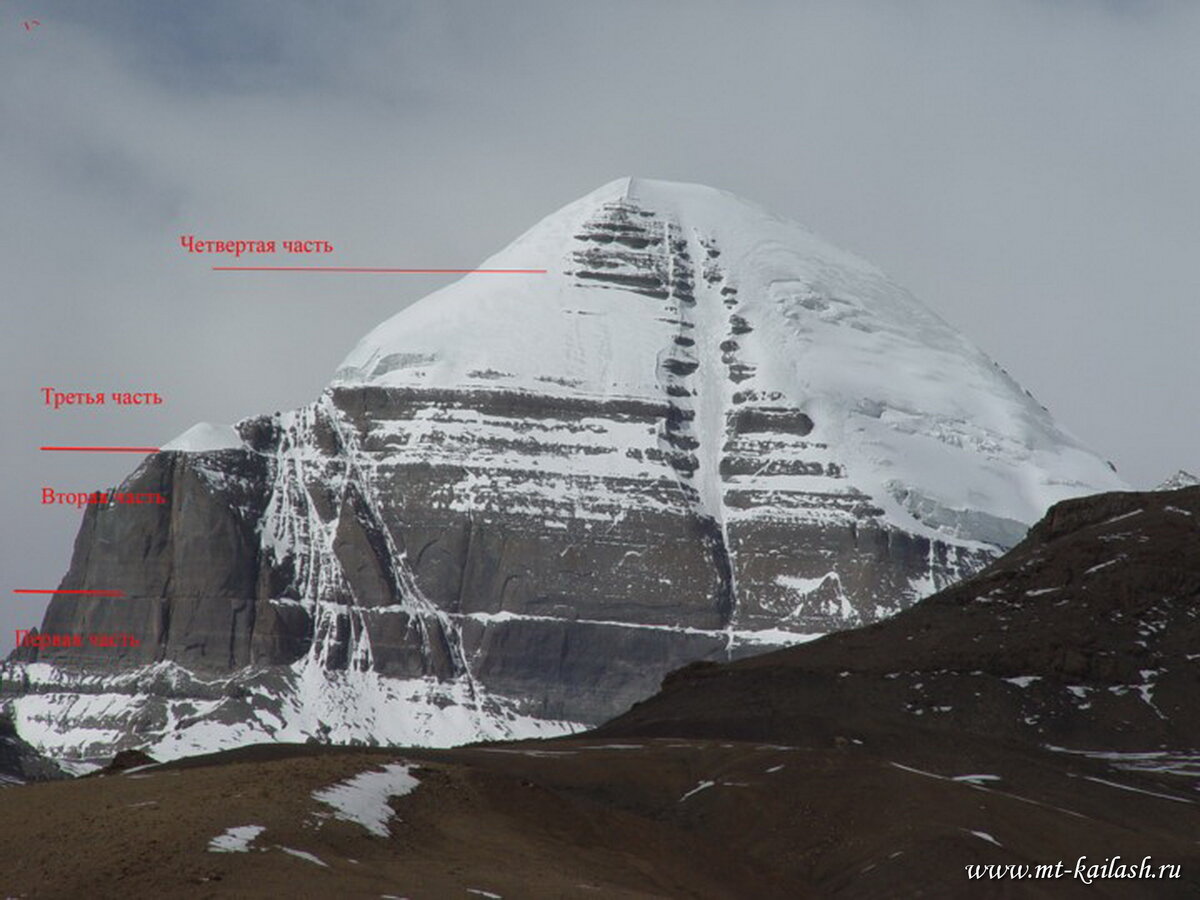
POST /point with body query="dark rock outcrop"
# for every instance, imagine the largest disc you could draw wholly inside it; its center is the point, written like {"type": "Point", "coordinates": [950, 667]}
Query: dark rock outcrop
{"type": "Point", "coordinates": [1085, 636]}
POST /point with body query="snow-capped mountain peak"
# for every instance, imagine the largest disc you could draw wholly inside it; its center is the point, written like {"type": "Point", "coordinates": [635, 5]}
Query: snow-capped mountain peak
{"type": "Point", "coordinates": [646, 280]}
{"type": "Point", "coordinates": [701, 432]}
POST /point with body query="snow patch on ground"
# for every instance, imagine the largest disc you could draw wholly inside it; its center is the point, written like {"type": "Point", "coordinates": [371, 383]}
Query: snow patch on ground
{"type": "Point", "coordinates": [1126, 787]}
{"type": "Point", "coordinates": [304, 855]}
{"type": "Point", "coordinates": [697, 789]}
{"type": "Point", "coordinates": [364, 798]}
{"type": "Point", "coordinates": [1104, 565]}
{"type": "Point", "coordinates": [1023, 681]}
{"type": "Point", "coordinates": [1122, 517]}
{"type": "Point", "coordinates": [1181, 763]}
{"type": "Point", "coordinates": [236, 839]}
{"type": "Point", "coordinates": [983, 835]}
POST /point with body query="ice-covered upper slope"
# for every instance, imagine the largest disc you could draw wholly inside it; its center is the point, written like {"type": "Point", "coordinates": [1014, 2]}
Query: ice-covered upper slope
{"type": "Point", "coordinates": [927, 425]}
{"type": "Point", "coordinates": [545, 333]}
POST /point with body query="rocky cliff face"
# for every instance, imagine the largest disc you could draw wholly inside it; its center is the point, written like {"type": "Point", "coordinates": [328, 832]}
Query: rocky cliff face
{"type": "Point", "coordinates": [701, 433]}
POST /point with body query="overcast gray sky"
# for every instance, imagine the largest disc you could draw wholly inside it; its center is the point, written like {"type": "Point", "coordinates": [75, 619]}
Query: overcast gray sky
{"type": "Point", "coordinates": [1031, 170]}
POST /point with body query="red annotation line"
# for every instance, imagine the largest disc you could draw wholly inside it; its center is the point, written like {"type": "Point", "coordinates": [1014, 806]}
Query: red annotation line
{"type": "Point", "coordinates": [106, 449]}
{"type": "Point", "coordinates": [392, 271]}
{"type": "Point", "coordinates": [92, 593]}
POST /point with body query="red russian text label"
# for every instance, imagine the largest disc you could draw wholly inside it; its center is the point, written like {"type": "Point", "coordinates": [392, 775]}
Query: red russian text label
{"type": "Point", "coordinates": [308, 246]}
{"type": "Point", "coordinates": [191, 244]}
{"type": "Point", "coordinates": [51, 497]}
{"type": "Point", "coordinates": [130, 499]}
{"type": "Point", "coordinates": [136, 398]}
{"type": "Point", "coordinates": [27, 639]}
{"type": "Point", "coordinates": [56, 398]}
{"type": "Point", "coordinates": [113, 640]}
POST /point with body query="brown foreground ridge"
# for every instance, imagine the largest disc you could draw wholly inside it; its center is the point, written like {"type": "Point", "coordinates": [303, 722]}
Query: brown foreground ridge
{"type": "Point", "coordinates": [1044, 711]}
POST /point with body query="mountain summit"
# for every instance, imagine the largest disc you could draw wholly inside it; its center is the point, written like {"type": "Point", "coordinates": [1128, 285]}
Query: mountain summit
{"type": "Point", "coordinates": [745, 324]}
{"type": "Point", "coordinates": [701, 432]}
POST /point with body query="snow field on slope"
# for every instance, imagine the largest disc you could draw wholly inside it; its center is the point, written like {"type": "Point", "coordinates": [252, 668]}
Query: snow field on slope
{"type": "Point", "coordinates": [364, 798]}
{"type": "Point", "coordinates": [910, 406]}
